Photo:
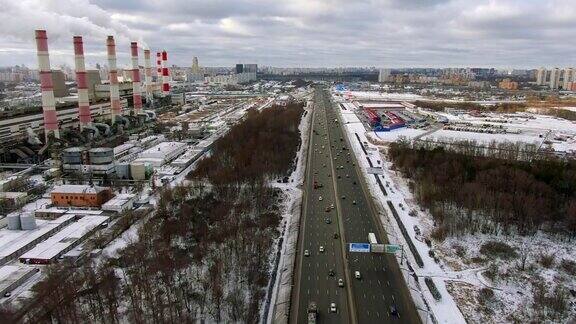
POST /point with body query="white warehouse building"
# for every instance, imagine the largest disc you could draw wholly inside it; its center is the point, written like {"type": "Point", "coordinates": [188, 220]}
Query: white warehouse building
{"type": "Point", "coordinates": [162, 153]}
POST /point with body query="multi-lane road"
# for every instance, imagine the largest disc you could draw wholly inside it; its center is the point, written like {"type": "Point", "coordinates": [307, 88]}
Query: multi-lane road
{"type": "Point", "coordinates": [336, 212]}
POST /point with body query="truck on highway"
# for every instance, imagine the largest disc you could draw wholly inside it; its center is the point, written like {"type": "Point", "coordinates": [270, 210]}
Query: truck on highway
{"type": "Point", "coordinates": [372, 238]}
{"type": "Point", "coordinates": [312, 313]}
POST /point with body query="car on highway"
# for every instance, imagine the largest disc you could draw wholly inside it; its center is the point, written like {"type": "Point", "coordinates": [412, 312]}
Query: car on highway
{"type": "Point", "coordinates": [353, 182]}
{"type": "Point", "coordinates": [332, 206]}
{"type": "Point", "coordinates": [320, 198]}
{"type": "Point", "coordinates": [327, 209]}
{"type": "Point", "coordinates": [321, 249]}
{"type": "Point", "coordinates": [343, 197]}
{"type": "Point", "coordinates": [347, 176]}
{"type": "Point", "coordinates": [340, 282]}
{"type": "Point", "coordinates": [328, 221]}
{"type": "Point", "coordinates": [394, 311]}
{"type": "Point", "coordinates": [353, 202]}
{"type": "Point", "coordinates": [306, 253]}
{"type": "Point", "coordinates": [335, 235]}
{"type": "Point", "coordinates": [331, 273]}
{"type": "Point", "coordinates": [357, 274]}
{"type": "Point", "coordinates": [332, 307]}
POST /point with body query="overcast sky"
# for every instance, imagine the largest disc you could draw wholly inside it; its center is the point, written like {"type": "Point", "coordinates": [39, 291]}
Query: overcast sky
{"type": "Point", "coordinates": [300, 33]}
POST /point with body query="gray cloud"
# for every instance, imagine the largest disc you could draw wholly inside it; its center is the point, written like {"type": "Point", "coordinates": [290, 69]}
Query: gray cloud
{"type": "Point", "coordinates": [392, 33]}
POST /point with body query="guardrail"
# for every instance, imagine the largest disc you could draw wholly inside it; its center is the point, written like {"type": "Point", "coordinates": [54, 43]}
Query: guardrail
{"type": "Point", "coordinates": [411, 245]}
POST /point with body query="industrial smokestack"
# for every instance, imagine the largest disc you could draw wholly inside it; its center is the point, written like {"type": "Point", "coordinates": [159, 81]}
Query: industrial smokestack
{"type": "Point", "coordinates": [147, 74]}
{"type": "Point", "coordinates": [165, 75]}
{"type": "Point", "coordinates": [136, 91]}
{"type": "Point", "coordinates": [48, 101]}
{"type": "Point", "coordinates": [82, 83]}
{"type": "Point", "coordinates": [159, 67]}
{"type": "Point", "coordinates": [113, 76]}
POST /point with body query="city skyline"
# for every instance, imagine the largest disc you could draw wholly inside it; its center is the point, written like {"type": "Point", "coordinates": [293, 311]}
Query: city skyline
{"type": "Point", "coordinates": [395, 34]}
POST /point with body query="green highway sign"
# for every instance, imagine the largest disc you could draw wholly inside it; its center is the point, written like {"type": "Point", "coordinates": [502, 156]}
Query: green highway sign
{"type": "Point", "coordinates": [392, 248]}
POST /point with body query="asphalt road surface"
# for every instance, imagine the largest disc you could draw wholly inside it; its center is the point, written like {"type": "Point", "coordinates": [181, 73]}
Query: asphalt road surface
{"type": "Point", "coordinates": [335, 214]}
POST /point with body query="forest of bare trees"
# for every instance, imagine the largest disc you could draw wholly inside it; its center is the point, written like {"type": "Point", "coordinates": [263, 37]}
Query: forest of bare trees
{"type": "Point", "coordinates": [471, 190]}
{"type": "Point", "coordinates": [205, 252]}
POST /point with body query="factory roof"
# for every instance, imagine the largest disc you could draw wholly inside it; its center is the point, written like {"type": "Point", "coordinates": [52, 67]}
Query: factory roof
{"type": "Point", "coordinates": [78, 189]}
{"type": "Point", "coordinates": [123, 147]}
{"type": "Point", "coordinates": [13, 240]}
{"type": "Point", "coordinates": [66, 237]}
{"type": "Point", "coordinates": [119, 200]}
{"type": "Point", "coordinates": [164, 147]}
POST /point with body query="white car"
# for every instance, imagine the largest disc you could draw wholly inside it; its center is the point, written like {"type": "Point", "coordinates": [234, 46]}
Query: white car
{"type": "Point", "coordinates": [306, 253]}
{"type": "Point", "coordinates": [340, 283]}
{"type": "Point", "coordinates": [321, 248]}
{"type": "Point", "coordinates": [320, 198]}
{"type": "Point", "coordinates": [357, 275]}
{"type": "Point", "coordinates": [332, 307]}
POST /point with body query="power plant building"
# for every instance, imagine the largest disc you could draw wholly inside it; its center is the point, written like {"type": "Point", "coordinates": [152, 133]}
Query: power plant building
{"type": "Point", "coordinates": [80, 196]}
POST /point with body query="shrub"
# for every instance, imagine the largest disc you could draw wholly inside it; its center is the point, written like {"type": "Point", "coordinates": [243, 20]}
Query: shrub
{"type": "Point", "coordinates": [547, 260]}
{"type": "Point", "coordinates": [497, 249]}
{"type": "Point", "coordinates": [459, 250]}
{"type": "Point", "coordinates": [568, 266]}
{"type": "Point", "coordinates": [485, 295]}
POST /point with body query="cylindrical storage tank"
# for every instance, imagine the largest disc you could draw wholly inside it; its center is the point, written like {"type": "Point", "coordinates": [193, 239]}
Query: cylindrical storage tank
{"type": "Point", "coordinates": [72, 155]}
{"type": "Point", "coordinates": [28, 221]}
{"type": "Point", "coordinates": [123, 171]}
{"type": "Point", "coordinates": [138, 171]}
{"type": "Point", "coordinates": [101, 155]}
{"type": "Point", "coordinates": [14, 222]}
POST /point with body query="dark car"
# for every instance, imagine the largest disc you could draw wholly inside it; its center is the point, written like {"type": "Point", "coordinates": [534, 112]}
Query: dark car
{"type": "Point", "coordinates": [394, 311]}
{"type": "Point", "coordinates": [331, 273]}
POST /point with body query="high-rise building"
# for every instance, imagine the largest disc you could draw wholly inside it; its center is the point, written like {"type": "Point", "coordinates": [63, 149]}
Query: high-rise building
{"type": "Point", "coordinates": [554, 78]}
{"type": "Point", "coordinates": [239, 68]}
{"type": "Point", "coordinates": [250, 68]}
{"type": "Point", "coordinates": [568, 77]}
{"type": "Point", "coordinates": [195, 66]}
{"type": "Point", "coordinates": [383, 75]}
{"type": "Point", "coordinates": [541, 76]}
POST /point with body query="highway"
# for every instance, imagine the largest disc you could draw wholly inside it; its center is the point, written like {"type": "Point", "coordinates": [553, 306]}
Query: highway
{"type": "Point", "coordinates": [345, 203]}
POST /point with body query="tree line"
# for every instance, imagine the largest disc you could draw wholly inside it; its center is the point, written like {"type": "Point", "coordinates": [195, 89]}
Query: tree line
{"type": "Point", "coordinates": [259, 149]}
{"type": "Point", "coordinates": [470, 193]}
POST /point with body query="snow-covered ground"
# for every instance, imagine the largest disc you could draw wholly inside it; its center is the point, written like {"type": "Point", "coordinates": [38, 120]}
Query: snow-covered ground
{"type": "Point", "coordinates": [529, 128]}
{"type": "Point", "coordinates": [462, 273]}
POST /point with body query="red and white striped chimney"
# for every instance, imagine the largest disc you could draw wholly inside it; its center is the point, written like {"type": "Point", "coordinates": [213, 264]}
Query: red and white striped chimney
{"type": "Point", "coordinates": [147, 73]}
{"type": "Point", "coordinates": [113, 76]}
{"type": "Point", "coordinates": [136, 91]}
{"type": "Point", "coordinates": [48, 101]}
{"type": "Point", "coordinates": [82, 83]}
{"type": "Point", "coordinates": [159, 68]}
{"type": "Point", "coordinates": [165, 75]}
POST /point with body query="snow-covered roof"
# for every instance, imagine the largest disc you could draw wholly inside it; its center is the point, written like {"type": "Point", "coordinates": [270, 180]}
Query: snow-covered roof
{"type": "Point", "coordinates": [78, 189]}
{"type": "Point", "coordinates": [63, 239]}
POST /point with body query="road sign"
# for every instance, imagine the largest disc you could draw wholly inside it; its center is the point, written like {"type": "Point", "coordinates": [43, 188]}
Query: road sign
{"type": "Point", "coordinates": [377, 248]}
{"type": "Point", "coordinates": [392, 248]}
{"type": "Point", "coordinates": [360, 247]}
{"type": "Point", "coordinates": [375, 171]}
